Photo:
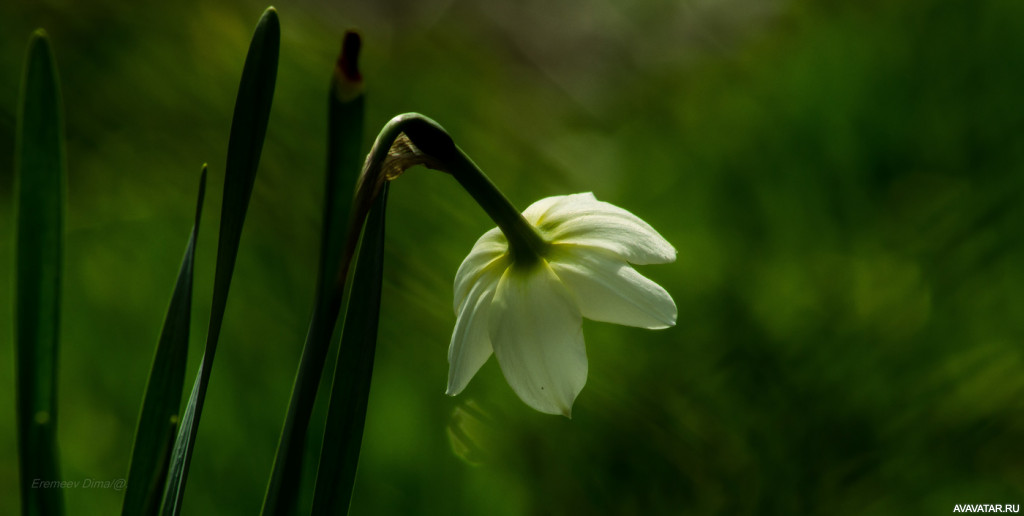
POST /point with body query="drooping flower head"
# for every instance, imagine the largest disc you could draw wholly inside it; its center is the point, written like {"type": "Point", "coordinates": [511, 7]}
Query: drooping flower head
{"type": "Point", "coordinates": [528, 309]}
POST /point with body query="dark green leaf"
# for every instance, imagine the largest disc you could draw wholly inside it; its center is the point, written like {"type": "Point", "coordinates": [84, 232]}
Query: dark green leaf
{"type": "Point", "coordinates": [248, 129]}
{"type": "Point", "coordinates": [351, 390]}
{"type": "Point", "coordinates": [40, 184]}
{"type": "Point", "coordinates": [154, 437]}
{"type": "Point", "coordinates": [345, 134]}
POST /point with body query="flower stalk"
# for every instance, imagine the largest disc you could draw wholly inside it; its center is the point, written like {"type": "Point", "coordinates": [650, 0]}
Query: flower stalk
{"type": "Point", "coordinates": [413, 139]}
{"type": "Point", "coordinates": [346, 108]}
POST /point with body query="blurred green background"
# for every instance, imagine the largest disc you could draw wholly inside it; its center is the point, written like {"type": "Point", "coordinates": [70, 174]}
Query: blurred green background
{"type": "Point", "coordinates": [843, 181]}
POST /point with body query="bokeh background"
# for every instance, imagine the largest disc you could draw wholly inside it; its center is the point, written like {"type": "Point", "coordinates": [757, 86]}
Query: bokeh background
{"type": "Point", "coordinates": [844, 182]}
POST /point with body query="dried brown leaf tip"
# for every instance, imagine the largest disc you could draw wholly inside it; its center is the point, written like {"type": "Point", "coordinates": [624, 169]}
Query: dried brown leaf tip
{"type": "Point", "coordinates": [348, 82]}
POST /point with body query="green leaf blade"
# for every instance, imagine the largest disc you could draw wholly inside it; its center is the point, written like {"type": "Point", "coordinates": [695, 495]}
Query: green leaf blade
{"type": "Point", "coordinates": [346, 114]}
{"type": "Point", "coordinates": [350, 392]}
{"type": "Point", "coordinates": [346, 120]}
{"type": "Point", "coordinates": [245, 145]}
{"type": "Point", "coordinates": [158, 422]}
{"type": "Point", "coordinates": [40, 176]}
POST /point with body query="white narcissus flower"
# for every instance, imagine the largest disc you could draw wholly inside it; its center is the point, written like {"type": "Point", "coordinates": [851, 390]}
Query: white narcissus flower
{"type": "Point", "coordinates": [530, 314]}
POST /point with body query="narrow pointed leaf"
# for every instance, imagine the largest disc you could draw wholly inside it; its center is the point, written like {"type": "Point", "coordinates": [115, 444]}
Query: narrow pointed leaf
{"type": "Point", "coordinates": [345, 134]}
{"type": "Point", "coordinates": [346, 113]}
{"type": "Point", "coordinates": [351, 390]}
{"type": "Point", "coordinates": [248, 129]}
{"type": "Point", "coordinates": [158, 422]}
{"type": "Point", "coordinates": [39, 185]}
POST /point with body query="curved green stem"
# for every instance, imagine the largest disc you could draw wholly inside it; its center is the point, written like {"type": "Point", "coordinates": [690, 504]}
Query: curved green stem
{"type": "Point", "coordinates": [433, 147]}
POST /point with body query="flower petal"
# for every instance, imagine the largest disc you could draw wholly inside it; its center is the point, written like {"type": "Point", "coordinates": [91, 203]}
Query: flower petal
{"type": "Point", "coordinates": [471, 343]}
{"type": "Point", "coordinates": [581, 219]}
{"type": "Point", "coordinates": [538, 209]}
{"type": "Point", "coordinates": [609, 290]}
{"type": "Point", "coordinates": [536, 332]}
{"type": "Point", "coordinates": [488, 248]}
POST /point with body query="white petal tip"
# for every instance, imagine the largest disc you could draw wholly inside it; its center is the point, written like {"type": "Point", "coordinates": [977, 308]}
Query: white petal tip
{"type": "Point", "coordinates": [450, 391]}
{"type": "Point", "coordinates": [663, 324]}
{"type": "Point", "coordinates": [554, 411]}
{"type": "Point", "coordinates": [552, 407]}
{"type": "Point", "coordinates": [665, 255]}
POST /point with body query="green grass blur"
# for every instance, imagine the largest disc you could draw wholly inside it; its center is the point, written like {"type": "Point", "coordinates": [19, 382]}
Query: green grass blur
{"type": "Point", "coordinates": [844, 184]}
